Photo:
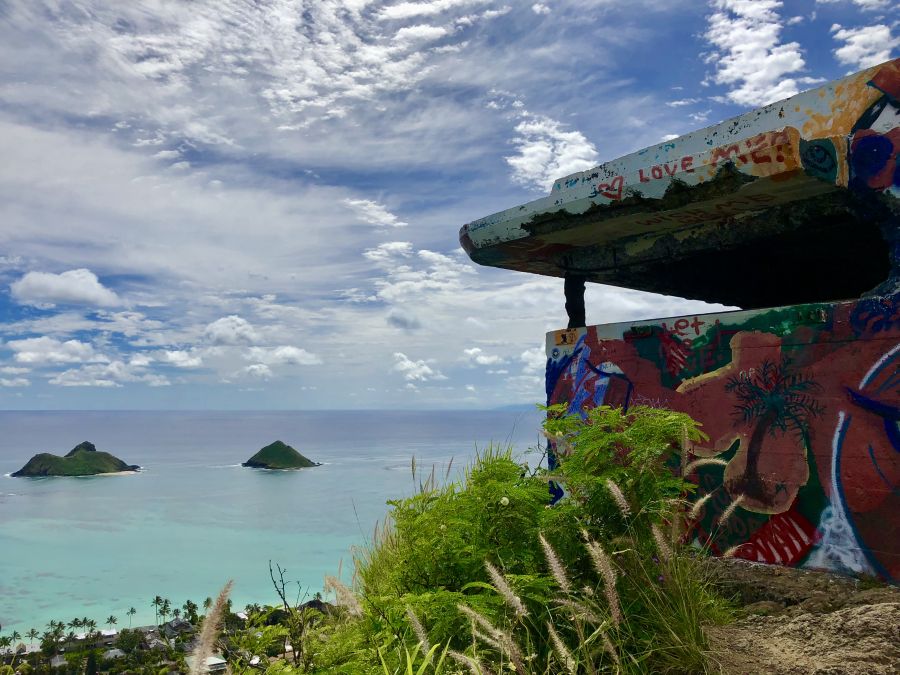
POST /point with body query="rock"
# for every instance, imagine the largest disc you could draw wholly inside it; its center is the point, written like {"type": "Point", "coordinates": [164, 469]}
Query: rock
{"type": "Point", "coordinates": [279, 456]}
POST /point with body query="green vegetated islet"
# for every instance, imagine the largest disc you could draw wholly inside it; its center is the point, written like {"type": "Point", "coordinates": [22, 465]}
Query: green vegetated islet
{"type": "Point", "coordinates": [82, 460]}
{"type": "Point", "coordinates": [483, 575]}
{"type": "Point", "coordinates": [279, 455]}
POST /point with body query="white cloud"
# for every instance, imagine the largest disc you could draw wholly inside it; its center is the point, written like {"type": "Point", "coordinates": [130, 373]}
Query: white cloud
{"type": "Point", "coordinates": [44, 350]}
{"type": "Point", "coordinates": [547, 151]}
{"type": "Point", "coordinates": [183, 358]}
{"type": "Point", "coordinates": [865, 5]}
{"type": "Point", "coordinates": [260, 370]}
{"type": "Point", "coordinates": [751, 59]}
{"type": "Point", "coordinates": [535, 361]}
{"type": "Point", "coordinates": [14, 370]}
{"type": "Point", "coordinates": [75, 287]}
{"type": "Point", "coordinates": [113, 374]}
{"type": "Point", "coordinates": [540, 8]}
{"type": "Point", "coordinates": [418, 34]}
{"type": "Point", "coordinates": [374, 213]}
{"type": "Point", "coordinates": [415, 371]}
{"type": "Point", "coordinates": [14, 382]}
{"type": "Point", "coordinates": [682, 102]}
{"type": "Point", "coordinates": [408, 10]}
{"type": "Point", "coordinates": [864, 47]}
{"type": "Point", "coordinates": [282, 355]}
{"type": "Point", "coordinates": [231, 330]}
{"type": "Point", "coordinates": [389, 251]}
{"type": "Point", "coordinates": [477, 356]}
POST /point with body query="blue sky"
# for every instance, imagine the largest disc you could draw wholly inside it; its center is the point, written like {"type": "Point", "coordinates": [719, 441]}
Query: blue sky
{"type": "Point", "coordinates": [234, 204]}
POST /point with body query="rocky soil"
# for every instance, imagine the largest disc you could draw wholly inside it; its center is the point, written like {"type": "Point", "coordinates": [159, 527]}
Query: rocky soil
{"type": "Point", "coordinates": [805, 622]}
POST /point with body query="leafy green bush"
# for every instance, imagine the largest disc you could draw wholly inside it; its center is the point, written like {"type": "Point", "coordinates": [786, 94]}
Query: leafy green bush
{"type": "Point", "coordinates": [483, 574]}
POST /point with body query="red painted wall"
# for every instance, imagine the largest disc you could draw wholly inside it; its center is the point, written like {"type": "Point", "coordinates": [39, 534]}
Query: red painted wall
{"type": "Point", "coordinates": [802, 402]}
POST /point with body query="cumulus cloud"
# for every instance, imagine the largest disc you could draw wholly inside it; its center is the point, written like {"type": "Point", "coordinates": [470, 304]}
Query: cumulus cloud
{"type": "Point", "coordinates": [415, 371]}
{"type": "Point", "coordinates": [751, 59]}
{"type": "Point", "coordinates": [534, 360]}
{"type": "Point", "coordinates": [546, 150]}
{"type": "Point", "coordinates": [259, 370]}
{"type": "Point", "coordinates": [540, 8]}
{"type": "Point", "coordinates": [866, 46]}
{"type": "Point", "coordinates": [182, 358]}
{"type": "Point", "coordinates": [14, 382]}
{"type": "Point", "coordinates": [231, 330]}
{"type": "Point", "coordinates": [388, 251]}
{"type": "Point", "coordinates": [74, 287]}
{"type": "Point", "coordinates": [374, 213]}
{"type": "Point", "coordinates": [281, 356]}
{"type": "Point", "coordinates": [44, 349]}
{"type": "Point", "coordinates": [113, 374]}
{"type": "Point", "coordinates": [477, 356]}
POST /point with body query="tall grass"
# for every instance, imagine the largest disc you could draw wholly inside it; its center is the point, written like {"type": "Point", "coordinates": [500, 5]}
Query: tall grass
{"type": "Point", "coordinates": [506, 583]}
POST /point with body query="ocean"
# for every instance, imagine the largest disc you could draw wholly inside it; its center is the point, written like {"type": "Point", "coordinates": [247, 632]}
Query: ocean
{"type": "Point", "coordinates": [194, 518]}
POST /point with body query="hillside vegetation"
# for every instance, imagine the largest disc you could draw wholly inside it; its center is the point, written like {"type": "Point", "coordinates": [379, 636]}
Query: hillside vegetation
{"type": "Point", "coordinates": [279, 455]}
{"type": "Point", "coordinates": [82, 460]}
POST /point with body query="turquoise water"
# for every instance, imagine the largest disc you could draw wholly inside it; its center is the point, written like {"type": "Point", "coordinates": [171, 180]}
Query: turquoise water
{"type": "Point", "coordinates": [194, 517]}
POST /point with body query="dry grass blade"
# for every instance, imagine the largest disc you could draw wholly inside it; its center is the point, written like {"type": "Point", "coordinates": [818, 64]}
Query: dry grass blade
{"type": "Point", "coordinates": [603, 565]}
{"type": "Point", "coordinates": [699, 504]}
{"type": "Point", "coordinates": [475, 667]}
{"type": "Point", "coordinates": [618, 497]}
{"type": "Point", "coordinates": [562, 652]}
{"type": "Point", "coordinates": [344, 596]}
{"type": "Point", "coordinates": [505, 640]}
{"type": "Point", "coordinates": [418, 629]}
{"type": "Point", "coordinates": [665, 551]}
{"type": "Point", "coordinates": [731, 551]}
{"type": "Point", "coordinates": [578, 610]}
{"type": "Point", "coordinates": [609, 648]}
{"type": "Point", "coordinates": [555, 564]}
{"type": "Point", "coordinates": [706, 461]}
{"type": "Point", "coordinates": [210, 631]}
{"type": "Point", "coordinates": [504, 590]}
{"type": "Point", "coordinates": [732, 507]}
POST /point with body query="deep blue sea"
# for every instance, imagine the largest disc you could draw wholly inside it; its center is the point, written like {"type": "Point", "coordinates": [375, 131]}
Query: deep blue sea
{"type": "Point", "coordinates": [193, 517]}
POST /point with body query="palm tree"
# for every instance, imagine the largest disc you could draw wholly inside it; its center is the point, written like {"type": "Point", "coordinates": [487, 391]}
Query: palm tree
{"type": "Point", "coordinates": [207, 604]}
{"type": "Point", "coordinates": [166, 608]}
{"type": "Point", "coordinates": [157, 603]}
{"type": "Point", "coordinates": [176, 613]}
{"type": "Point", "coordinates": [31, 635]}
{"type": "Point", "coordinates": [131, 612]}
{"type": "Point", "coordinates": [75, 623]}
{"type": "Point", "coordinates": [91, 626]}
{"type": "Point", "coordinates": [190, 610]}
{"type": "Point", "coordinates": [111, 621]}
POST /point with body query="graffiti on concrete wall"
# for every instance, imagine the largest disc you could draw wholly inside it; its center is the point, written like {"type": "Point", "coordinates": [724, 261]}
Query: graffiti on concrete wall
{"type": "Point", "coordinates": [842, 135]}
{"type": "Point", "coordinates": [802, 403]}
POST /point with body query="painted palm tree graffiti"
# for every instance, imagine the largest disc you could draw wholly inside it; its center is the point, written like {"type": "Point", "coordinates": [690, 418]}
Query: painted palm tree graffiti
{"type": "Point", "coordinates": [771, 399]}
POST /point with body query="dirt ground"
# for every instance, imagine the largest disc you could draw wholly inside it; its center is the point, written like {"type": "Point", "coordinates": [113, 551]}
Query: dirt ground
{"type": "Point", "coordinates": [804, 622]}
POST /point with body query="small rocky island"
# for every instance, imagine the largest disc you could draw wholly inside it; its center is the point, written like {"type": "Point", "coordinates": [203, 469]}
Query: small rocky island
{"type": "Point", "coordinates": [82, 460]}
{"type": "Point", "coordinates": [279, 455]}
